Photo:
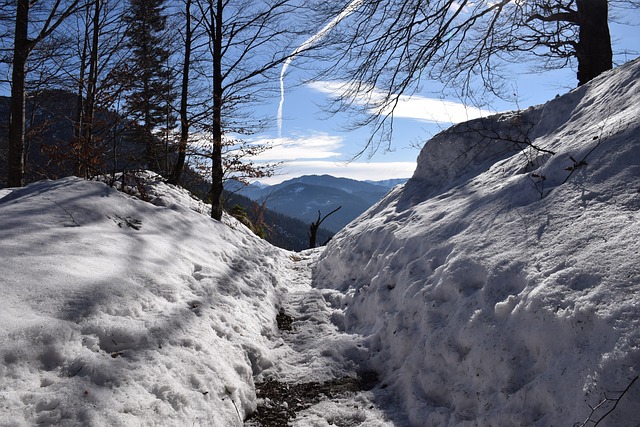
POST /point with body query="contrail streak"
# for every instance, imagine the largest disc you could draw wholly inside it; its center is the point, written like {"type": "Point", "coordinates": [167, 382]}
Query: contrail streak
{"type": "Point", "coordinates": [351, 7]}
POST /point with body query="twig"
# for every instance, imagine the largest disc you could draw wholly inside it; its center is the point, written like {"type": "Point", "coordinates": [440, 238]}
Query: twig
{"type": "Point", "coordinates": [68, 213]}
{"type": "Point", "coordinates": [603, 402]}
{"type": "Point", "coordinates": [578, 164]}
{"type": "Point", "coordinates": [230, 394]}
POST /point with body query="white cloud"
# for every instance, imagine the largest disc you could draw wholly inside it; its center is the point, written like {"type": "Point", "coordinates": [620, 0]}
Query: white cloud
{"type": "Point", "coordinates": [436, 110]}
{"type": "Point", "coordinates": [321, 153]}
{"type": "Point", "coordinates": [376, 171]}
{"type": "Point", "coordinates": [318, 145]}
{"type": "Point", "coordinates": [414, 107]}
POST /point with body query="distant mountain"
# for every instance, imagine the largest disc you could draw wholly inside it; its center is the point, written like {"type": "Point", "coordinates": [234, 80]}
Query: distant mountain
{"type": "Point", "coordinates": [389, 183]}
{"type": "Point", "coordinates": [304, 196]}
{"type": "Point", "coordinates": [281, 230]}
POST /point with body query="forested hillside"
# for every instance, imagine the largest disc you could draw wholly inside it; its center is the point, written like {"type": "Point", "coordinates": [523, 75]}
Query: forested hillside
{"type": "Point", "coordinates": [303, 197]}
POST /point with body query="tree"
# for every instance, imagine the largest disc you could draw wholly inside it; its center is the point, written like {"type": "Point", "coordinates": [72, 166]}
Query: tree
{"type": "Point", "coordinates": [184, 98]}
{"type": "Point", "coordinates": [394, 45]}
{"type": "Point", "coordinates": [23, 45]}
{"type": "Point", "coordinates": [83, 56]}
{"type": "Point", "coordinates": [86, 110]}
{"type": "Point", "coordinates": [247, 42]}
{"type": "Point", "coordinates": [313, 228]}
{"type": "Point", "coordinates": [148, 75]}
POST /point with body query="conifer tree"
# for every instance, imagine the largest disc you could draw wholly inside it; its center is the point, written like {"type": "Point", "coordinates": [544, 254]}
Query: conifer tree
{"type": "Point", "coordinates": [149, 79]}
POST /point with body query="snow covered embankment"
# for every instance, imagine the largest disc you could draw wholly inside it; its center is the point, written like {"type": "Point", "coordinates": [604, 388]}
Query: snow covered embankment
{"type": "Point", "coordinates": [118, 312]}
{"type": "Point", "coordinates": [502, 287]}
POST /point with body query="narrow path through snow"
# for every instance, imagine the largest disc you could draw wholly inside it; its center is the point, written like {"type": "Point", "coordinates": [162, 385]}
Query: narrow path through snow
{"type": "Point", "coordinates": [319, 376]}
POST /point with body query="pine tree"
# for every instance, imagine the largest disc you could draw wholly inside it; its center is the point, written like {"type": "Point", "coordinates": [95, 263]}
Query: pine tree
{"type": "Point", "coordinates": [150, 79]}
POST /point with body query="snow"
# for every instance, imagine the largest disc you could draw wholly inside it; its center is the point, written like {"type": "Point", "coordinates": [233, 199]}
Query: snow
{"type": "Point", "coordinates": [119, 312]}
{"type": "Point", "coordinates": [319, 351]}
{"type": "Point", "coordinates": [501, 287]}
{"type": "Point", "coordinates": [498, 287]}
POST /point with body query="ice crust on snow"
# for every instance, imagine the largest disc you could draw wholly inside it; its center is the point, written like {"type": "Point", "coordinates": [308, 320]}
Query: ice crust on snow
{"type": "Point", "coordinates": [501, 285]}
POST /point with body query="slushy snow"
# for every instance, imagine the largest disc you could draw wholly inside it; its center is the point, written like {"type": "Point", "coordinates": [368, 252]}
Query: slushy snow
{"type": "Point", "coordinates": [500, 286]}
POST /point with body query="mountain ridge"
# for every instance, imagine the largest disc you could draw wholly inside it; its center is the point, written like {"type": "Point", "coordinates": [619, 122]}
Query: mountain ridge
{"type": "Point", "coordinates": [302, 197]}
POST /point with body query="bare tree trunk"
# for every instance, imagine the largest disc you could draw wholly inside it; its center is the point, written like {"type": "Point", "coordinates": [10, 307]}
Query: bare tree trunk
{"type": "Point", "coordinates": [313, 228]}
{"type": "Point", "coordinates": [184, 94]}
{"type": "Point", "coordinates": [594, 47]}
{"type": "Point", "coordinates": [216, 155]}
{"type": "Point", "coordinates": [150, 152]}
{"type": "Point", "coordinates": [21, 49]}
{"type": "Point", "coordinates": [79, 125]}
{"type": "Point", "coordinates": [89, 112]}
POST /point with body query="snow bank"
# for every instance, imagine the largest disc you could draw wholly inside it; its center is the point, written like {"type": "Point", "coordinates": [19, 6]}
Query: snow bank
{"type": "Point", "coordinates": [501, 285]}
{"type": "Point", "coordinates": [115, 311]}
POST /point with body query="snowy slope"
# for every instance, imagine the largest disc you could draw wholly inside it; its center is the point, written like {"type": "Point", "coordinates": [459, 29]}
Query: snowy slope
{"type": "Point", "coordinates": [115, 311]}
{"type": "Point", "coordinates": [501, 285]}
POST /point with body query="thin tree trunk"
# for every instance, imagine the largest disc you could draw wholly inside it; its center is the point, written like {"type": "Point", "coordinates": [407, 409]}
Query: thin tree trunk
{"type": "Point", "coordinates": [21, 49]}
{"type": "Point", "coordinates": [115, 135]}
{"type": "Point", "coordinates": [15, 176]}
{"type": "Point", "coordinates": [216, 155]}
{"type": "Point", "coordinates": [594, 47]}
{"type": "Point", "coordinates": [165, 170]}
{"type": "Point", "coordinates": [89, 113]}
{"type": "Point", "coordinates": [184, 94]}
{"type": "Point", "coordinates": [150, 153]}
{"type": "Point", "coordinates": [313, 228]}
{"type": "Point", "coordinates": [79, 125]}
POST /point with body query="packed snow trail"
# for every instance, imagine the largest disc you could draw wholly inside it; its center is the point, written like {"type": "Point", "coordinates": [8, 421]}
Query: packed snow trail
{"type": "Point", "coordinates": [119, 311]}
{"type": "Point", "coordinates": [319, 376]}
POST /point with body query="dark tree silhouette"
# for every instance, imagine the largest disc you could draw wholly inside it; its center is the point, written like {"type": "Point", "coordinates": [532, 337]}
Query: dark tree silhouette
{"type": "Point", "coordinates": [148, 76]}
{"type": "Point", "coordinates": [86, 109]}
{"type": "Point", "coordinates": [313, 228]}
{"type": "Point", "coordinates": [23, 46]}
{"type": "Point", "coordinates": [184, 97]}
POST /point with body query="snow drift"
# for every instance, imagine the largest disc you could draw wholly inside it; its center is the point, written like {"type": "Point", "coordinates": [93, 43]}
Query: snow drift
{"type": "Point", "coordinates": [115, 311]}
{"type": "Point", "coordinates": [501, 285]}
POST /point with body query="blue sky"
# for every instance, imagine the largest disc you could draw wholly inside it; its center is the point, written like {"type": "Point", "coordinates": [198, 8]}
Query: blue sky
{"type": "Point", "coordinates": [311, 142]}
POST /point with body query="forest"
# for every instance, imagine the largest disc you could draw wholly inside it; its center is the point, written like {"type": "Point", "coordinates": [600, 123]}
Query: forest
{"type": "Point", "coordinates": [163, 85]}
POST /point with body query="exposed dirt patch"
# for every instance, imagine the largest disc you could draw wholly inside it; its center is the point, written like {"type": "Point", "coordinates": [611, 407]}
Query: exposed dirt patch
{"type": "Point", "coordinates": [284, 321]}
{"type": "Point", "coordinates": [281, 401]}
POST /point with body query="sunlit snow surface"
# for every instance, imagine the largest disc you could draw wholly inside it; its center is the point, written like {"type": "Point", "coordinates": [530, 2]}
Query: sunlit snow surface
{"type": "Point", "coordinates": [115, 311]}
{"type": "Point", "coordinates": [120, 312]}
{"type": "Point", "coordinates": [503, 289]}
